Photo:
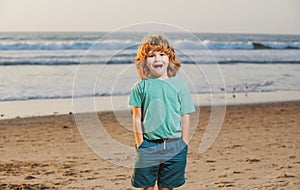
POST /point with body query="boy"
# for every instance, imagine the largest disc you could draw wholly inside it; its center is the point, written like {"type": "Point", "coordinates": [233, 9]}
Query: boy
{"type": "Point", "coordinates": [161, 104]}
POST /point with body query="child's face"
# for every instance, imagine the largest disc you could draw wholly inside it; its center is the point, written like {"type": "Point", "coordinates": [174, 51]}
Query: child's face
{"type": "Point", "coordinates": [158, 62]}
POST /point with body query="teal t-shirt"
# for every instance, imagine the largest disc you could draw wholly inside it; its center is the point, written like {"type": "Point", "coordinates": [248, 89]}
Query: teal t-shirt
{"type": "Point", "coordinates": [162, 102]}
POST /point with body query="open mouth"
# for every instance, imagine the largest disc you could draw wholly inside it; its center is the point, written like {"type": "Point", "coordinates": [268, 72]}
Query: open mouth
{"type": "Point", "coordinates": [158, 66]}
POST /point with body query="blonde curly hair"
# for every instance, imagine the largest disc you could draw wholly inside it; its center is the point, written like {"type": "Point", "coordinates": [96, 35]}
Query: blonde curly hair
{"type": "Point", "coordinates": [153, 43]}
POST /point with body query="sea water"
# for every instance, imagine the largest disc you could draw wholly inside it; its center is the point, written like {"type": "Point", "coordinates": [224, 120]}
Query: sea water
{"type": "Point", "coordinates": [48, 65]}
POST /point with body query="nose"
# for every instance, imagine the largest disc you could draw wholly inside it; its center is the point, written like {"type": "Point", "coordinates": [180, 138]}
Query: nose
{"type": "Point", "coordinates": [157, 57]}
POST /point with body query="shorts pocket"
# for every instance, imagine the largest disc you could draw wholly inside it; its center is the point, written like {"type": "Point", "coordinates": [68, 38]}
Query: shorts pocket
{"type": "Point", "coordinates": [183, 142]}
{"type": "Point", "coordinates": [141, 145]}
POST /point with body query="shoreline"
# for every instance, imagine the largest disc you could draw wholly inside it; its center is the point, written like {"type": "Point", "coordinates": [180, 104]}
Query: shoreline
{"type": "Point", "coordinates": [29, 108]}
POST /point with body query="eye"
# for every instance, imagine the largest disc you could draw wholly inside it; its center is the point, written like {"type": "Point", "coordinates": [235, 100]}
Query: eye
{"type": "Point", "coordinates": [151, 55]}
{"type": "Point", "coordinates": [162, 54]}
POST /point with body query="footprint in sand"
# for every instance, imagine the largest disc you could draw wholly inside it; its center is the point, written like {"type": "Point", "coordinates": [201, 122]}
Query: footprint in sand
{"type": "Point", "coordinates": [224, 184]}
{"type": "Point", "coordinates": [254, 160]}
{"type": "Point", "coordinates": [69, 173]}
{"type": "Point", "coordinates": [29, 177]}
{"type": "Point", "coordinates": [286, 176]}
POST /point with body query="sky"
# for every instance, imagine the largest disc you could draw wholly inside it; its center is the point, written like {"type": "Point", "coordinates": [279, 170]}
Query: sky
{"type": "Point", "coordinates": [204, 16]}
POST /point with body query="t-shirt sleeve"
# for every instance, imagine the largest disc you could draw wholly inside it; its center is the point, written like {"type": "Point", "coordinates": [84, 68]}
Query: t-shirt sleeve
{"type": "Point", "coordinates": [186, 102]}
{"type": "Point", "coordinates": [135, 97]}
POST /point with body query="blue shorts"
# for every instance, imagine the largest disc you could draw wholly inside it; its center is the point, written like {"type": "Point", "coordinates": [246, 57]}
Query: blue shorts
{"type": "Point", "coordinates": [163, 161]}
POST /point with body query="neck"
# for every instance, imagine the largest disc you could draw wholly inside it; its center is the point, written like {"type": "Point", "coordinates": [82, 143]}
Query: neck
{"type": "Point", "coordinates": [163, 78]}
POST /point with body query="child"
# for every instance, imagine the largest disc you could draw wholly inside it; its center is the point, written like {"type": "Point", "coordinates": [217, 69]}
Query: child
{"type": "Point", "coordinates": [161, 103]}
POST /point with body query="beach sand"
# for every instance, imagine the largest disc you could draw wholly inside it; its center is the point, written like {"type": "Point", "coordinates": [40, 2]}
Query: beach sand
{"type": "Point", "coordinates": [258, 148]}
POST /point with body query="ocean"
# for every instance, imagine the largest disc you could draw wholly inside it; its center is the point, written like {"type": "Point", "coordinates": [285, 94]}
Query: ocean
{"type": "Point", "coordinates": [50, 65]}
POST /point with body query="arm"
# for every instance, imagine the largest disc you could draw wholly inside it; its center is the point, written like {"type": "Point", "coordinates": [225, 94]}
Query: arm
{"type": "Point", "coordinates": [137, 125]}
{"type": "Point", "coordinates": [185, 120]}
